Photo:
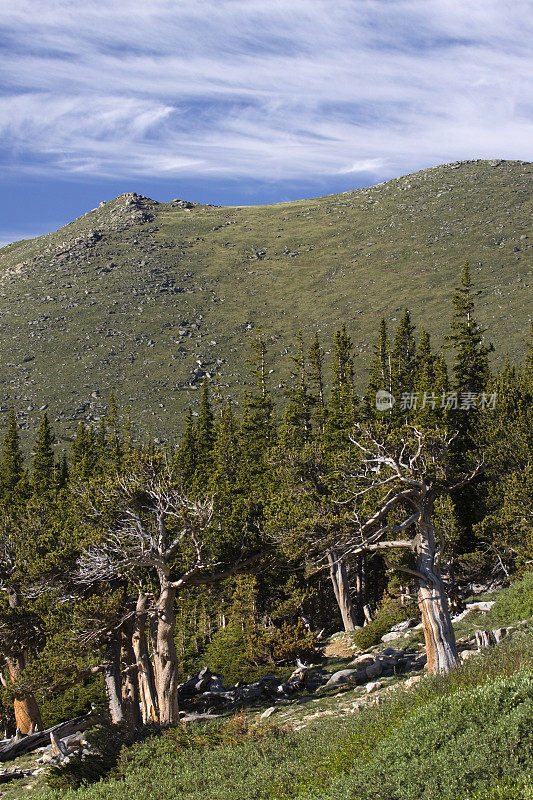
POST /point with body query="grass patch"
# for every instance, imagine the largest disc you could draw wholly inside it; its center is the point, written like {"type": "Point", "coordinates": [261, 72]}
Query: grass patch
{"type": "Point", "coordinates": [514, 603]}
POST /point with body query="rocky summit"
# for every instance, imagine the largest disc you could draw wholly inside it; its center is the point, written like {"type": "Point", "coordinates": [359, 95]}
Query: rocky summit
{"type": "Point", "coordinates": [147, 298]}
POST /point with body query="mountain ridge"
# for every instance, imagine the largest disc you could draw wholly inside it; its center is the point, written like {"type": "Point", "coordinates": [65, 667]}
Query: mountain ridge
{"type": "Point", "coordinates": [146, 298]}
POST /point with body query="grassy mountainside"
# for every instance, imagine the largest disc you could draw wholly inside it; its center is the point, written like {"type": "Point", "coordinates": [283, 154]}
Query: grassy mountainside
{"type": "Point", "coordinates": [145, 297]}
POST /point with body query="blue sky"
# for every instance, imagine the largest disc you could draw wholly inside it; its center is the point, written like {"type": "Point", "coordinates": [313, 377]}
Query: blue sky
{"type": "Point", "coordinates": [249, 101]}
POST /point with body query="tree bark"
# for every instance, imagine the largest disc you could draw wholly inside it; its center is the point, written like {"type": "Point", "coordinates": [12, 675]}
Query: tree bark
{"type": "Point", "coordinates": [145, 672]}
{"type": "Point", "coordinates": [27, 714]}
{"type": "Point", "coordinates": [360, 587]}
{"type": "Point", "coordinates": [130, 683]}
{"type": "Point", "coordinates": [432, 600]}
{"type": "Point", "coordinates": [165, 656]}
{"type": "Point", "coordinates": [339, 578]}
{"type": "Point", "coordinates": [112, 680]}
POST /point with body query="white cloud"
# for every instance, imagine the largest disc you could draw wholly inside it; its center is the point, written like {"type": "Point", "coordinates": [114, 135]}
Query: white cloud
{"type": "Point", "coordinates": [264, 89]}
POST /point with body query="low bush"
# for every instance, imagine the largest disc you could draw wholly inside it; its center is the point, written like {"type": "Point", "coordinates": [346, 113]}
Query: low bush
{"type": "Point", "coordinates": [247, 654]}
{"type": "Point", "coordinates": [386, 617]}
{"type": "Point", "coordinates": [514, 603]}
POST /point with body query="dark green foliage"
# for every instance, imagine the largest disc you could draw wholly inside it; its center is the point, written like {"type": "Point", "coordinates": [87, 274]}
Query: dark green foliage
{"type": "Point", "coordinates": [42, 468]}
{"type": "Point", "coordinates": [403, 356]}
{"type": "Point", "coordinates": [387, 617]}
{"type": "Point", "coordinates": [11, 460]}
{"type": "Point", "coordinates": [470, 368]}
{"type": "Point", "coordinates": [282, 483]}
{"type": "Point", "coordinates": [342, 402]}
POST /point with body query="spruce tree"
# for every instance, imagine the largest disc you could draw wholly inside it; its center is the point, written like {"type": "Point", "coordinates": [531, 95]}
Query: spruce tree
{"type": "Point", "coordinates": [296, 424]}
{"type": "Point", "coordinates": [379, 371]}
{"type": "Point", "coordinates": [225, 447]}
{"type": "Point", "coordinates": [471, 365]}
{"type": "Point", "coordinates": [205, 424]}
{"type": "Point", "coordinates": [11, 460]}
{"type": "Point", "coordinates": [342, 403]}
{"type": "Point", "coordinates": [114, 444]}
{"type": "Point", "coordinates": [471, 378]}
{"type": "Point", "coordinates": [42, 472]}
{"type": "Point", "coordinates": [403, 357]}
{"type": "Point", "coordinates": [257, 430]}
{"type": "Point", "coordinates": [430, 384]}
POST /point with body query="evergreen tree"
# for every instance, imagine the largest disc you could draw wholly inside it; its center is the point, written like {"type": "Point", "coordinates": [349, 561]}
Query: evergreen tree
{"type": "Point", "coordinates": [257, 430]}
{"type": "Point", "coordinates": [342, 403]}
{"type": "Point", "coordinates": [403, 357]}
{"type": "Point", "coordinates": [42, 472]}
{"type": "Point", "coordinates": [225, 448]}
{"type": "Point", "coordinates": [62, 474]}
{"type": "Point", "coordinates": [84, 454]}
{"type": "Point", "coordinates": [316, 377]}
{"type": "Point", "coordinates": [379, 371]}
{"type": "Point", "coordinates": [11, 460]}
{"type": "Point", "coordinates": [296, 424]}
{"type": "Point", "coordinates": [114, 441]}
{"type": "Point", "coordinates": [471, 366]}
{"type": "Point", "coordinates": [430, 384]}
{"type": "Point", "coordinates": [205, 432]}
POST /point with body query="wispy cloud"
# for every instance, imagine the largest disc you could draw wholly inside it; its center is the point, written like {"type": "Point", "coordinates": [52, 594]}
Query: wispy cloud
{"type": "Point", "coordinates": [262, 88]}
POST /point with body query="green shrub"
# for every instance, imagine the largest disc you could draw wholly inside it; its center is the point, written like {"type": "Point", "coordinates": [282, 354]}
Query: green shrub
{"type": "Point", "coordinates": [521, 789]}
{"type": "Point", "coordinates": [247, 654]}
{"type": "Point", "coordinates": [387, 617]}
{"type": "Point", "coordinates": [514, 603]}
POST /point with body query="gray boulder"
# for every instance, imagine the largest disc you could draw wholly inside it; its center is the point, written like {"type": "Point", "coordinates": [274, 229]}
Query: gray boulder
{"type": "Point", "coordinates": [346, 676]}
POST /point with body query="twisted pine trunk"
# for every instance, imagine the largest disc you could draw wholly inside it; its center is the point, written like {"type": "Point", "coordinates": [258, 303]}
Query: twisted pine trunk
{"type": "Point", "coordinates": [339, 579]}
{"type": "Point", "coordinates": [432, 600]}
{"type": "Point", "coordinates": [130, 683]}
{"type": "Point", "coordinates": [145, 672]}
{"type": "Point", "coordinates": [27, 714]}
{"type": "Point", "coordinates": [165, 656]}
{"type": "Point", "coordinates": [112, 680]}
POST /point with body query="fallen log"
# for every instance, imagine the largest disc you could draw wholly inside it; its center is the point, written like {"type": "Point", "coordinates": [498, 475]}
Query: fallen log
{"type": "Point", "coordinates": [26, 744]}
{"type": "Point", "coordinates": [6, 777]}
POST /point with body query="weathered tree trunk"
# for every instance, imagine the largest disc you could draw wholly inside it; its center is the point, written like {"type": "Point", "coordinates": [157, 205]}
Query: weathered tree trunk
{"type": "Point", "coordinates": [432, 600]}
{"type": "Point", "coordinates": [130, 683]}
{"type": "Point", "coordinates": [339, 578]}
{"type": "Point", "coordinates": [165, 657]}
{"type": "Point", "coordinates": [145, 672]}
{"type": "Point", "coordinates": [27, 714]}
{"type": "Point", "coordinates": [360, 587]}
{"type": "Point", "coordinates": [112, 680]}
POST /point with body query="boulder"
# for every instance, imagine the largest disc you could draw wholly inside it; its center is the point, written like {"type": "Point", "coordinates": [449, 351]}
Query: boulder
{"type": "Point", "coordinates": [346, 676]}
{"type": "Point", "coordinates": [362, 661]}
{"type": "Point", "coordinates": [389, 637]}
{"type": "Point", "coordinates": [373, 686]}
{"type": "Point", "coordinates": [374, 670]}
